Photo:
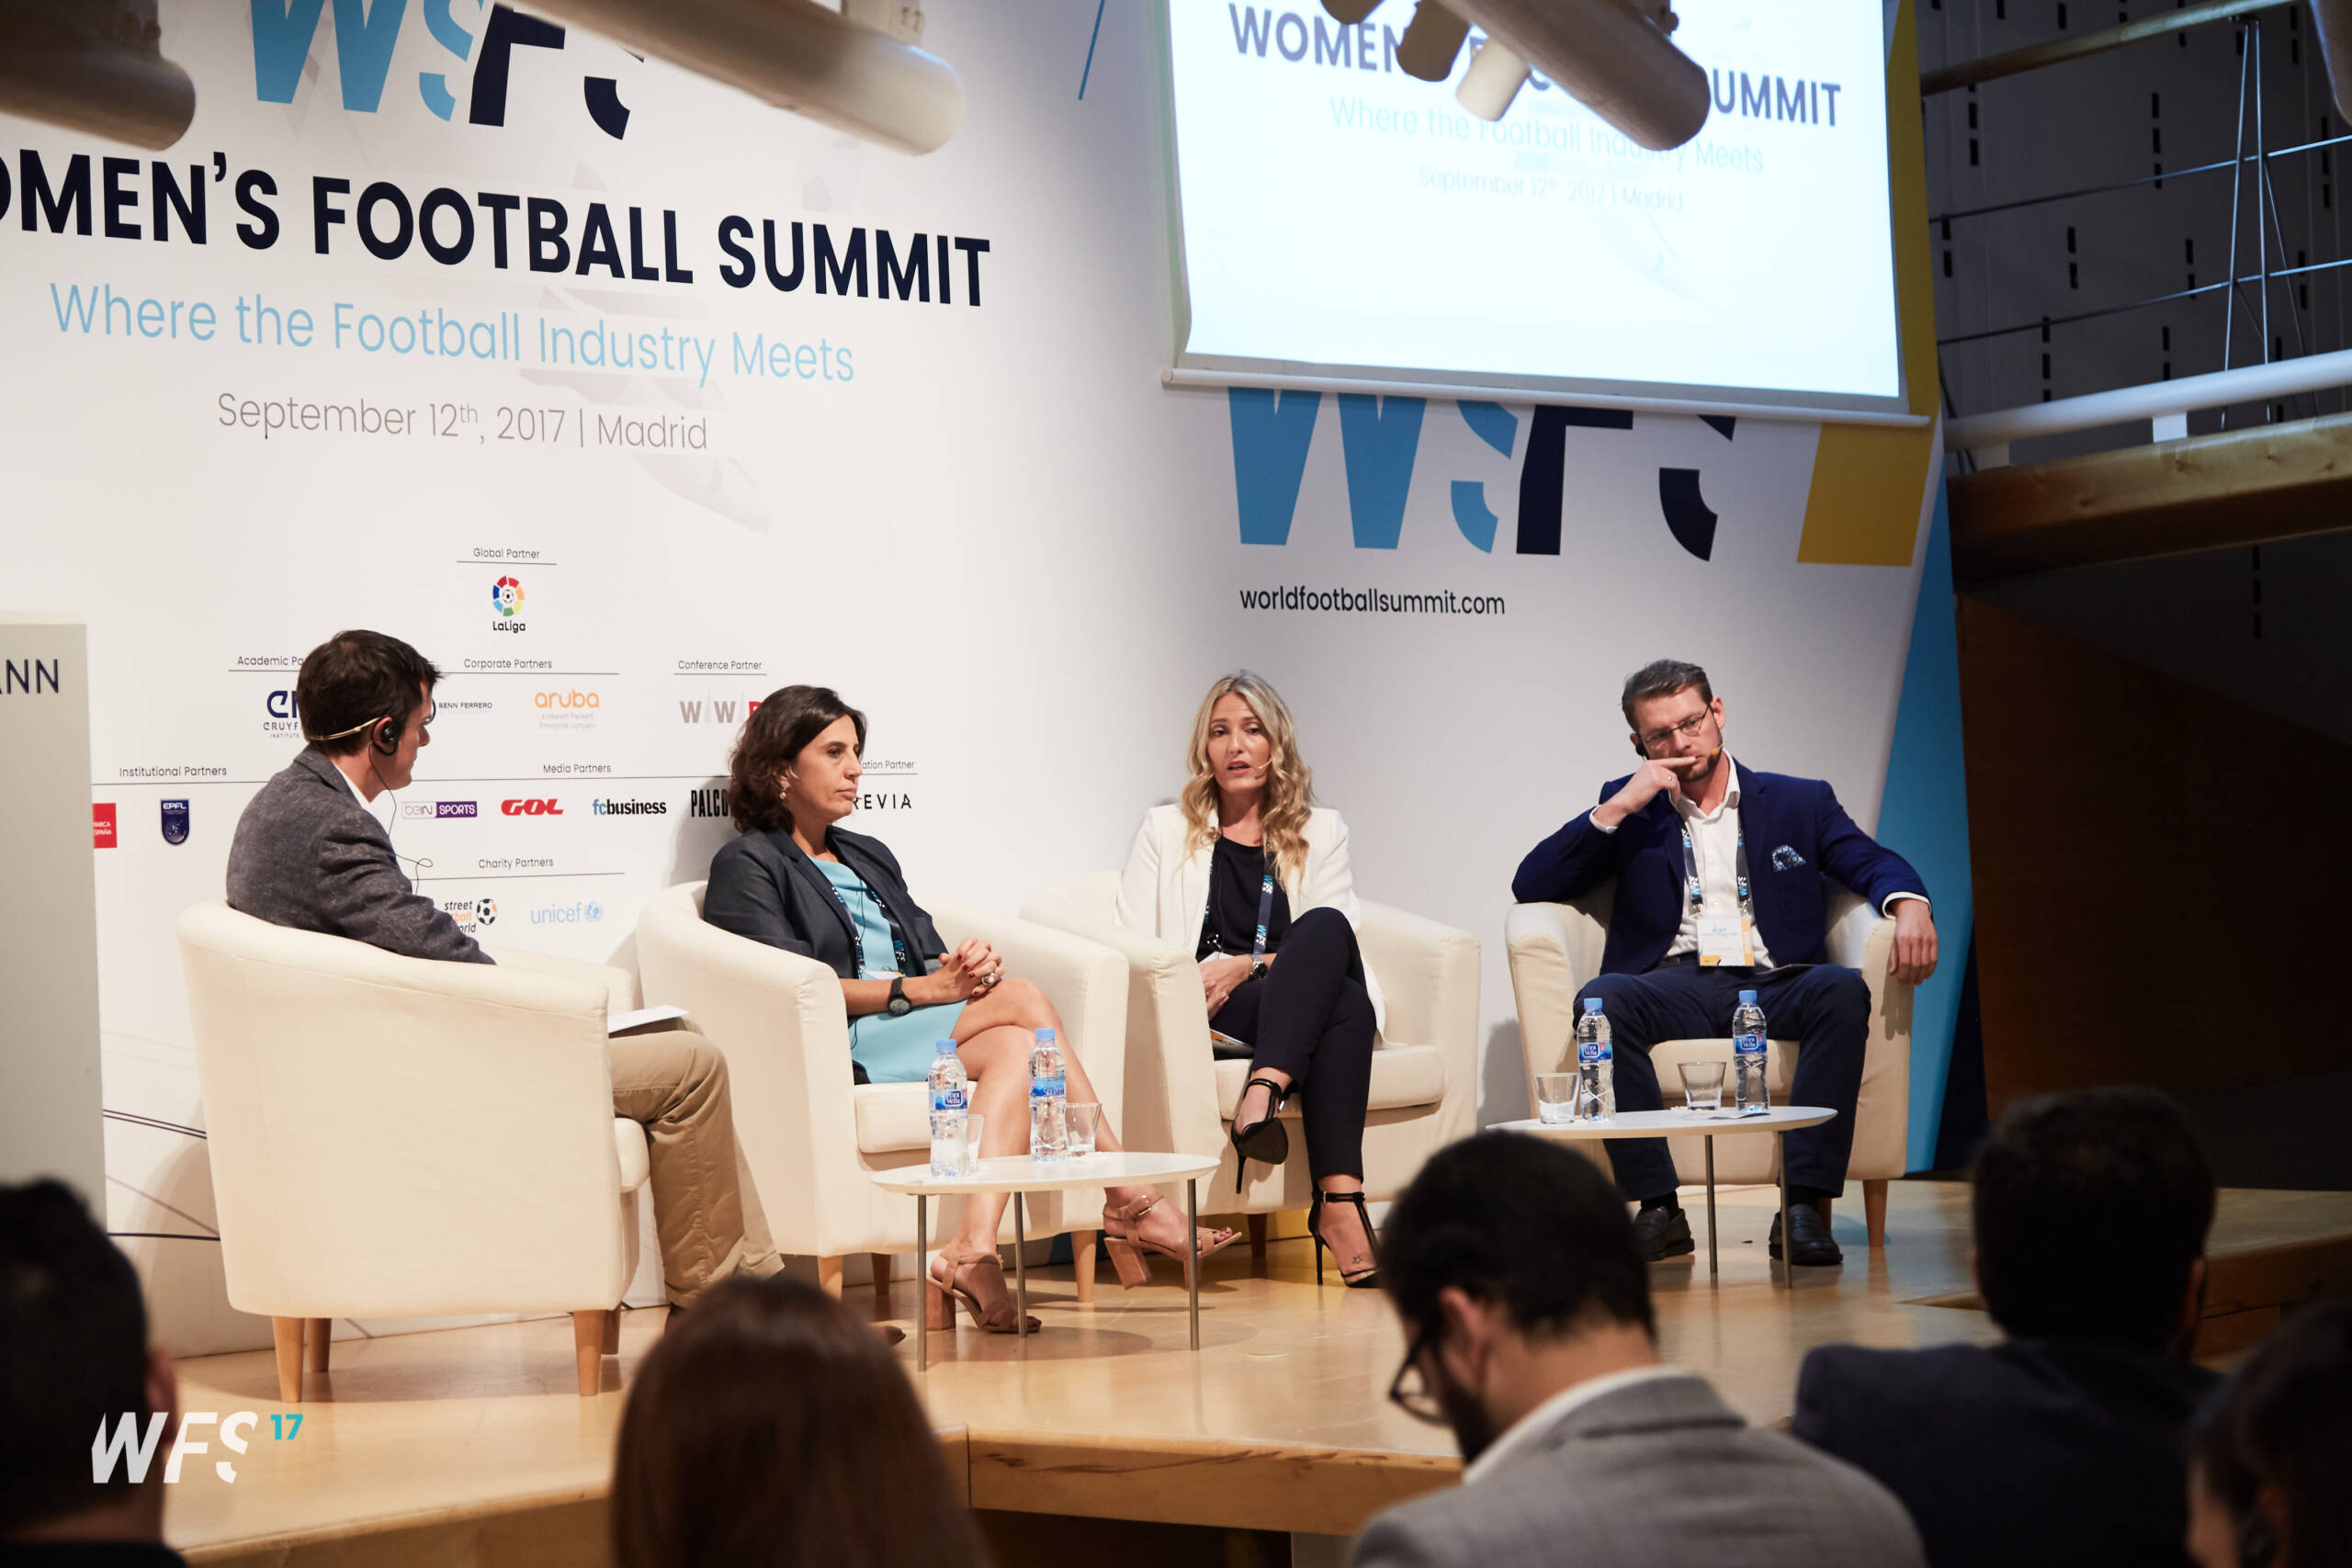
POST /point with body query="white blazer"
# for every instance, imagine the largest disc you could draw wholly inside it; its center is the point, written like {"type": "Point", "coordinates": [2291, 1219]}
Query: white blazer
{"type": "Point", "coordinates": [1164, 892]}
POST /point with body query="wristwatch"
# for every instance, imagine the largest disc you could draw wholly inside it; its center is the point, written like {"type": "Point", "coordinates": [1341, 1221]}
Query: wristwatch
{"type": "Point", "coordinates": [898, 1006]}
{"type": "Point", "coordinates": [1258, 969]}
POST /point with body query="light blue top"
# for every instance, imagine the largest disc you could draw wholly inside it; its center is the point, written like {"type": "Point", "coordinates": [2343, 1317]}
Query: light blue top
{"type": "Point", "coordinates": [892, 1049]}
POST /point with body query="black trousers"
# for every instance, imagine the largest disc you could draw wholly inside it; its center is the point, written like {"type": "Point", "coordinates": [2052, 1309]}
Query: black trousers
{"type": "Point", "coordinates": [1825, 1007]}
{"type": "Point", "coordinates": [1311, 1017]}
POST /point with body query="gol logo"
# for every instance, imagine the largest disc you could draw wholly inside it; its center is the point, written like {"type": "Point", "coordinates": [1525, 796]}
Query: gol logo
{"type": "Point", "coordinates": [574, 698]}
{"type": "Point", "coordinates": [530, 809]}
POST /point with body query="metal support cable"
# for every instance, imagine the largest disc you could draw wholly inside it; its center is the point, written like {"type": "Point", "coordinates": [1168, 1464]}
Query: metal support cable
{"type": "Point", "coordinates": [2040, 321]}
{"type": "Point", "coordinates": [2130, 185]}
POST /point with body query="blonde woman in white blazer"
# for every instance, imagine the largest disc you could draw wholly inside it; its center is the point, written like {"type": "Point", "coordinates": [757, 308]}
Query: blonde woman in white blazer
{"type": "Point", "coordinates": [1248, 871]}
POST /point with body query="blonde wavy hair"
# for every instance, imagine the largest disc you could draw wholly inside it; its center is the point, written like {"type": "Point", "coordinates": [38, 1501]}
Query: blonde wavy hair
{"type": "Point", "coordinates": [1290, 783]}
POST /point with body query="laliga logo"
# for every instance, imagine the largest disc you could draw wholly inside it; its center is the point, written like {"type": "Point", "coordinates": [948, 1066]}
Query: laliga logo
{"type": "Point", "coordinates": [530, 809]}
{"type": "Point", "coordinates": [574, 698]}
{"type": "Point", "coordinates": [506, 598]}
{"type": "Point", "coordinates": [364, 38]}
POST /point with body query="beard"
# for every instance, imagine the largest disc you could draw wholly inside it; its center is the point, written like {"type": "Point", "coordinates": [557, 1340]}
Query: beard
{"type": "Point", "coordinates": [1473, 1429]}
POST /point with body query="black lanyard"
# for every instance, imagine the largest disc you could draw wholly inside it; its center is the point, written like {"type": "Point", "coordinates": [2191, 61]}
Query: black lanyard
{"type": "Point", "coordinates": [857, 937]}
{"type": "Point", "coordinates": [1265, 915]}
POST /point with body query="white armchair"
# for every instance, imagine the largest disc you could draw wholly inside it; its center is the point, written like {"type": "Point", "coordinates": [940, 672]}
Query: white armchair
{"type": "Point", "coordinates": [1181, 1099]}
{"type": "Point", "coordinates": [812, 1137]}
{"type": "Point", "coordinates": [1555, 949]}
{"type": "Point", "coordinates": [394, 1137]}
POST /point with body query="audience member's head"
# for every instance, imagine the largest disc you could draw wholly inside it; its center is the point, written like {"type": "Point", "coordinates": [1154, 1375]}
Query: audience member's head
{"type": "Point", "coordinates": [773, 1427]}
{"type": "Point", "coordinates": [2091, 1210]}
{"type": "Point", "coordinates": [1513, 1265]}
{"type": "Point", "coordinates": [73, 1355]}
{"type": "Point", "coordinates": [2270, 1464]}
{"type": "Point", "coordinates": [356, 679]}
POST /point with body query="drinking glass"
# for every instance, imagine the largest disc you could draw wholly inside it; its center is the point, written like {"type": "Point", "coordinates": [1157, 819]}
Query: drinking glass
{"type": "Point", "coordinates": [974, 1123]}
{"type": "Point", "coordinates": [1703, 1085]}
{"type": "Point", "coordinates": [1555, 1099]}
{"type": "Point", "coordinates": [1085, 1117]}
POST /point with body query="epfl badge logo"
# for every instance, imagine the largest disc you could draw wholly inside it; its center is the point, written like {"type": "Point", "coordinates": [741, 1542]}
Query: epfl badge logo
{"type": "Point", "coordinates": [365, 35]}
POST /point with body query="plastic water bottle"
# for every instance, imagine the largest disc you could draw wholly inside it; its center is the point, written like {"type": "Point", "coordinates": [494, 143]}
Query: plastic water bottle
{"type": "Point", "coordinates": [1049, 1100]}
{"type": "Point", "coordinates": [1596, 1065]}
{"type": "Point", "coordinates": [1749, 1092]}
{"type": "Point", "coordinates": [949, 1101]}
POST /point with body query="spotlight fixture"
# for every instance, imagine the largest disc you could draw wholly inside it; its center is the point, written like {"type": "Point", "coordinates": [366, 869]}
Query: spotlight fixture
{"type": "Point", "coordinates": [1614, 56]}
{"type": "Point", "coordinates": [95, 66]}
{"type": "Point", "coordinates": [840, 70]}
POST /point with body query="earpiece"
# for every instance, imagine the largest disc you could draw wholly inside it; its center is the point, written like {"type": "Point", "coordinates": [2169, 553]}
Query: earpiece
{"type": "Point", "coordinates": [385, 738]}
{"type": "Point", "coordinates": [2257, 1540]}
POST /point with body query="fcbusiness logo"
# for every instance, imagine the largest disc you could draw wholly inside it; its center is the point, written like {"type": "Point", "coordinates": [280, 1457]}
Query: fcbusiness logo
{"type": "Point", "coordinates": [365, 35]}
{"type": "Point", "coordinates": [530, 807]}
{"type": "Point", "coordinates": [1379, 438]}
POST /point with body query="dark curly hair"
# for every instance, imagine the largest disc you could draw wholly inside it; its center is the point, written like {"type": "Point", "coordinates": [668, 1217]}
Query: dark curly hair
{"type": "Point", "coordinates": [779, 730]}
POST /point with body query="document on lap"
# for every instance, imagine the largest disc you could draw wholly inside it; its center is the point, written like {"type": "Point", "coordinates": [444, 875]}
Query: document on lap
{"type": "Point", "coordinates": [641, 1019]}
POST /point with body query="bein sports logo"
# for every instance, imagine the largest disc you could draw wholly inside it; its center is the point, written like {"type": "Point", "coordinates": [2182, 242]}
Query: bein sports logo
{"type": "Point", "coordinates": [1380, 437]}
{"type": "Point", "coordinates": [506, 598]}
{"type": "Point", "coordinates": [135, 1452]}
{"type": "Point", "coordinates": [284, 30]}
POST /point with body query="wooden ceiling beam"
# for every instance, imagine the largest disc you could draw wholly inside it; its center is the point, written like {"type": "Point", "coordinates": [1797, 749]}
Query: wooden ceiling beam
{"type": "Point", "coordinates": [2239, 486]}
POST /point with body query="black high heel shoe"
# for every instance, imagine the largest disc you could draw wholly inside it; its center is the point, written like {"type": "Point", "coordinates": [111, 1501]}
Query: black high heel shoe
{"type": "Point", "coordinates": [1265, 1139]}
{"type": "Point", "coordinates": [1365, 1279]}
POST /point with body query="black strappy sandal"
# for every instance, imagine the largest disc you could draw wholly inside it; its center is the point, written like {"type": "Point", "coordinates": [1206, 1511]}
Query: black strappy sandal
{"type": "Point", "coordinates": [1265, 1139]}
{"type": "Point", "coordinates": [1365, 1279]}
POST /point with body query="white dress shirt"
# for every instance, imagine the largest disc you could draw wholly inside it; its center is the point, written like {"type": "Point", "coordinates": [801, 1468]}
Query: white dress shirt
{"type": "Point", "coordinates": [1531, 1427]}
{"type": "Point", "coordinates": [1714, 840]}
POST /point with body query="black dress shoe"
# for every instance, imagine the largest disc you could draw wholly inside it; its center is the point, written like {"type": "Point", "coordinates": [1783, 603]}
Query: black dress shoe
{"type": "Point", "coordinates": [1814, 1244]}
{"type": "Point", "coordinates": [1662, 1232]}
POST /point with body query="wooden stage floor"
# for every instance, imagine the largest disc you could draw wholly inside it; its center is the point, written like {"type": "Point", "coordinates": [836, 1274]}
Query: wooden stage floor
{"type": "Point", "coordinates": [470, 1445]}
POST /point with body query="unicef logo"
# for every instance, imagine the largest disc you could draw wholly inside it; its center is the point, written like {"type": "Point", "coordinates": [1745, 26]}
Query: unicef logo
{"type": "Point", "coordinates": [591, 911]}
{"type": "Point", "coordinates": [506, 596]}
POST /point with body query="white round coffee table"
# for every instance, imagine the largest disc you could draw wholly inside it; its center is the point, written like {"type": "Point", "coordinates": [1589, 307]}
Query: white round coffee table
{"type": "Point", "coordinates": [1688, 1123]}
{"type": "Point", "coordinates": [1018, 1174]}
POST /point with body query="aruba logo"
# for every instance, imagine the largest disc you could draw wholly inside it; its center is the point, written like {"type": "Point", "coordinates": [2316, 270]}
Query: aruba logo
{"type": "Point", "coordinates": [1379, 438]}
{"type": "Point", "coordinates": [364, 34]}
{"type": "Point", "coordinates": [530, 809]}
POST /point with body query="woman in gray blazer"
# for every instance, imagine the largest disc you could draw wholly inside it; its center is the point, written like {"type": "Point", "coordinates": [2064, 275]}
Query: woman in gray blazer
{"type": "Point", "coordinates": [794, 880]}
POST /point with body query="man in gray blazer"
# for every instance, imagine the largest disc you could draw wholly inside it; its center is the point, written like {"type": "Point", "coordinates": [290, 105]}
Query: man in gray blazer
{"type": "Point", "coordinates": [308, 854]}
{"type": "Point", "coordinates": [1514, 1267]}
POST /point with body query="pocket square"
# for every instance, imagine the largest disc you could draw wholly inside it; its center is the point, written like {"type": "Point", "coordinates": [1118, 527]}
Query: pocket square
{"type": "Point", "coordinates": [1786, 859]}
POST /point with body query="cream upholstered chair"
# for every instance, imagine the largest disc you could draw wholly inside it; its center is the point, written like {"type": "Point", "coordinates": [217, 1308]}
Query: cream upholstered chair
{"type": "Point", "coordinates": [1181, 1099]}
{"type": "Point", "coordinates": [1555, 949]}
{"type": "Point", "coordinates": [812, 1137]}
{"type": "Point", "coordinates": [396, 1137]}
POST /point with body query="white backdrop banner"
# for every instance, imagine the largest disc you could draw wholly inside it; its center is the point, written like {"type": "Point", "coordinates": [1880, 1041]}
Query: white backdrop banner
{"type": "Point", "coordinates": [628, 400]}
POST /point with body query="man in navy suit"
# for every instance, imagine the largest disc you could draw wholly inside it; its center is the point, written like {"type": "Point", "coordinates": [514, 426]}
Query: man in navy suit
{"type": "Point", "coordinates": [1719, 875]}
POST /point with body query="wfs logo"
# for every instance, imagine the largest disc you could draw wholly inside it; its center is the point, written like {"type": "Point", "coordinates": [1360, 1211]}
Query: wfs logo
{"type": "Point", "coordinates": [506, 598]}
{"type": "Point", "coordinates": [133, 1452]}
{"type": "Point", "coordinates": [1379, 438]}
{"type": "Point", "coordinates": [364, 38]}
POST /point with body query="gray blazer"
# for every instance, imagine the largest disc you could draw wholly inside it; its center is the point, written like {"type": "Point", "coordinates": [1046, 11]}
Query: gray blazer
{"type": "Point", "coordinates": [308, 854]}
{"type": "Point", "coordinates": [1660, 1473]}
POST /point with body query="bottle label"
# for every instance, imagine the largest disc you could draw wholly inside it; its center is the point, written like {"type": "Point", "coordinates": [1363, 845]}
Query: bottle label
{"type": "Point", "coordinates": [1042, 1088]}
{"type": "Point", "coordinates": [1748, 1044]}
{"type": "Point", "coordinates": [1592, 1051]}
{"type": "Point", "coordinates": [945, 1098]}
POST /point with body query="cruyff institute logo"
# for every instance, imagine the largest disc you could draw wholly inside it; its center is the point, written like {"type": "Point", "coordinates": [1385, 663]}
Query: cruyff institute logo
{"type": "Point", "coordinates": [134, 1451]}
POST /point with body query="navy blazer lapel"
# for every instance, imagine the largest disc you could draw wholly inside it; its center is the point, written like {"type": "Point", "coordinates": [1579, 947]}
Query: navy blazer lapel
{"type": "Point", "coordinates": [1761, 834]}
{"type": "Point", "coordinates": [797, 859]}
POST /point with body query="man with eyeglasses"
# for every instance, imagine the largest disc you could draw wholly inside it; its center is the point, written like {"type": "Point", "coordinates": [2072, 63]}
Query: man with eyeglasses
{"type": "Point", "coordinates": [1719, 876]}
{"type": "Point", "coordinates": [308, 854]}
{"type": "Point", "coordinates": [1522, 1290]}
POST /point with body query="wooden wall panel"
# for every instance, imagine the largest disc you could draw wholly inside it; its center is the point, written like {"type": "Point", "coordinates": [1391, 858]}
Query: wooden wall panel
{"type": "Point", "coordinates": [2153, 868]}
